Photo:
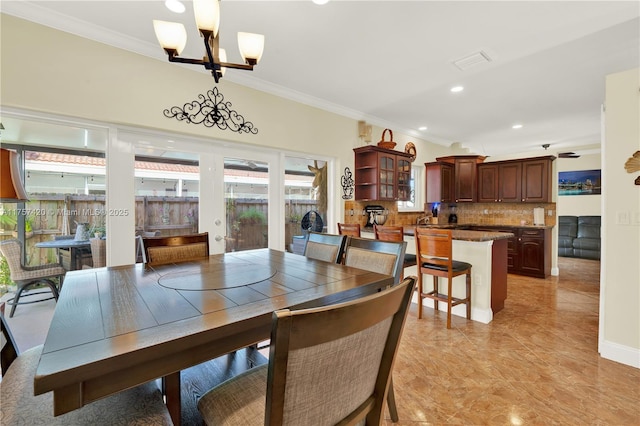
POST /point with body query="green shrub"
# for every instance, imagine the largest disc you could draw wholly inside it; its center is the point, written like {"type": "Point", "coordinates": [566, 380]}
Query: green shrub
{"type": "Point", "coordinates": [252, 216]}
{"type": "Point", "coordinates": [5, 276]}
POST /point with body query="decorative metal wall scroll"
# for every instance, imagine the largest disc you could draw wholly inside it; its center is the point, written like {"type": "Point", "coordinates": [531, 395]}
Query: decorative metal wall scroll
{"type": "Point", "coordinates": [212, 110]}
{"type": "Point", "coordinates": [347, 184]}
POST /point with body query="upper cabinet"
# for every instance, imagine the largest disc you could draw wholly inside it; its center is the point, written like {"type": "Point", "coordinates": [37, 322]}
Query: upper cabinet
{"type": "Point", "coordinates": [536, 179]}
{"type": "Point", "coordinates": [382, 174]}
{"type": "Point", "coordinates": [439, 182]}
{"type": "Point", "coordinates": [465, 174]}
{"type": "Point", "coordinates": [513, 181]}
{"type": "Point", "coordinates": [499, 182]}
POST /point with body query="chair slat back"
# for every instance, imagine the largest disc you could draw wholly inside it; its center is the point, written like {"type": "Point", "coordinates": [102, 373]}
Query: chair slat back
{"type": "Point", "coordinates": [332, 364]}
{"type": "Point", "coordinates": [384, 257]}
{"type": "Point", "coordinates": [388, 233]}
{"type": "Point", "coordinates": [180, 248]}
{"type": "Point", "coordinates": [349, 229]}
{"type": "Point", "coordinates": [325, 247]}
{"type": "Point", "coordinates": [434, 245]}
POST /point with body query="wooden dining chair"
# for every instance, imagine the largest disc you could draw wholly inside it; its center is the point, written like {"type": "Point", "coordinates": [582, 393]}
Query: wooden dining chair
{"type": "Point", "coordinates": [350, 229]}
{"type": "Point", "coordinates": [28, 277]}
{"type": "Point", "coordinates": [180, 248]}
{"type": "Point", "coordinates": [328, 365]}
{"type": "Point", "coordinates": [142, 405]}
{"type": "Point", "coordinates": [325, 247]}
{"type": "Point", "coordinates": [394, 233]}
{"type": "Point", "coordinates": [434, 249]}
{"type": "Point", "coordinates": [384, 257]}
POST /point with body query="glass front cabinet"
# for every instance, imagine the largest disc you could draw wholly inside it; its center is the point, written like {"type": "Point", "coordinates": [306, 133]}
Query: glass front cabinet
{"type": "Point", "coordinates": [382, 174]}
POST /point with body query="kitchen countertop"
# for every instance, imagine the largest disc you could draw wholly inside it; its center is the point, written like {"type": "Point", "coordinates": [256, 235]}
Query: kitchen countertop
{"type": "Point", "coordinates": [467, 235]}
{"type": "Point", "coordinates": [460, 234]}
{"type": "Point", "coordinates": [478, 225]}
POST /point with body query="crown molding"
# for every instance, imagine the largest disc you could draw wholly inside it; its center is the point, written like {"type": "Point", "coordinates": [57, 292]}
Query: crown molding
{"type": "Point", "coordinates": [45, 16]}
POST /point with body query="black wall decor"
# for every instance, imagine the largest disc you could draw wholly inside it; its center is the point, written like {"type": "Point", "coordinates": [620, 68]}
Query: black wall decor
{"type": "Point", "coordinates": [347, 184]}
{"type": "Point", "coordinates": [212, 110]}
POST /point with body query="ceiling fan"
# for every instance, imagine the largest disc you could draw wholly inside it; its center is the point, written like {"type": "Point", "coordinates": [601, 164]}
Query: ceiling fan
{"type": "Point", "coordinates": [562, 154]}
{"type": "Point", "coordinates": [568, 155]}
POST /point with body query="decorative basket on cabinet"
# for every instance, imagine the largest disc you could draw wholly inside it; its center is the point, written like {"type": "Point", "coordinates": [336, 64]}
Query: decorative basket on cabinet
{"type": "Point", "coordinates": [390, 144]}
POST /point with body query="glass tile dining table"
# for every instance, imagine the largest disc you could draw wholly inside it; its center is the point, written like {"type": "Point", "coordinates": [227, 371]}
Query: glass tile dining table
{"type": "Point", "coordinates": [118, 327]}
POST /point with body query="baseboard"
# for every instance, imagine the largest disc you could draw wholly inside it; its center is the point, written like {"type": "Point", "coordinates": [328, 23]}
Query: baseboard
{"type": "Point", "coordinates": [620, 353]}
{"type": "Point", "coordinates": [555, 271]}
{"type": "Point", "coordinates": [484, 316]}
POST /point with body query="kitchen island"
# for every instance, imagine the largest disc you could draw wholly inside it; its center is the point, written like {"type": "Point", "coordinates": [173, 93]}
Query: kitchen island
{"type": "Point", "coordinates": [487, 253]}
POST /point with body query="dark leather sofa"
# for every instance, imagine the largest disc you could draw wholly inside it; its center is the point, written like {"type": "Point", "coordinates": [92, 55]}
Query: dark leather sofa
{"type": "Point", "coordinates": [579, 236]}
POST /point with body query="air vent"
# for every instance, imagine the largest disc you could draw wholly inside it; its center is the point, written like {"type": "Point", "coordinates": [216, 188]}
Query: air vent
{"type": "Point", "coordinates": [472, 60]}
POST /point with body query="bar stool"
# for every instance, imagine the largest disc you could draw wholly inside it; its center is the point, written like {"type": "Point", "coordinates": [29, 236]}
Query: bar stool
{"type": "Point", "coordinates": [350, 229]}
{"type": "Point", "coordinates": [434, 255]}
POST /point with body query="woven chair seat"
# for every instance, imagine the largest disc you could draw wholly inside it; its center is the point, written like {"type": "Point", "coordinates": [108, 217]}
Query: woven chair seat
{"type": "Point", "coordinates": [142, 405]}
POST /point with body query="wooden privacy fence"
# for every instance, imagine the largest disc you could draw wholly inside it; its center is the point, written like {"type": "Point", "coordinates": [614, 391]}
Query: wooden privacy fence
{"type": "Point", "coordinates": [47, 215]}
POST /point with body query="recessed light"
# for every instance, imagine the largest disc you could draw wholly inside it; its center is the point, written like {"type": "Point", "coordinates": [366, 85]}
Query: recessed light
{"type": "Point", "coordinates": [422, 128]}
{"type": "Point", "coordinates": [175, 6]}
{"type": "Point", "coordinates": [517, 126]}
{"type": "Point", "coordinates": [320, 1]}
{"type": "Point", "coordinates": [456, 89]}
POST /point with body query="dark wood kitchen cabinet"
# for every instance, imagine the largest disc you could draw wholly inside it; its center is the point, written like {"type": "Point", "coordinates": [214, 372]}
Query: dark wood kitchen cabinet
{"type": "Point", "coordinates": [382, 174]}
{"type": "Point", "coordinates": [499, 182]}
{"type": "Point", "coordinates": [533, 252]}
{"type": "Point", "coordinates": [515, 181]}
{"type": "Point", "coordinates": [465, 176]}
{"type": "Point", "coordinates": [536, 179]}
{"type": "Point", "coordinates": [528, 251]}
{"type": "Point", "coordinates": [439, 182]}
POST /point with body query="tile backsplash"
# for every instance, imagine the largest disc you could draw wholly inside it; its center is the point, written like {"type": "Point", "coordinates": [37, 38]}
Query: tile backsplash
{"type": "Point", "coordinates": [513, 214]}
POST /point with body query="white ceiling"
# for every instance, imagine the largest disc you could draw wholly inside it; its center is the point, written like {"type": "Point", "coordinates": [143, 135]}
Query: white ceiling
{"type": "Point", "coordinates": [391, 62]}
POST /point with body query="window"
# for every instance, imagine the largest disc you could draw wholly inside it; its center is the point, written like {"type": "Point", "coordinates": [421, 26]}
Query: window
{"type": "Point", "coordinates": [246, 194]}
{"type": "Point", "coordinates": [167, 195]}
{"type": "Point", "coordinates": [305, 198]}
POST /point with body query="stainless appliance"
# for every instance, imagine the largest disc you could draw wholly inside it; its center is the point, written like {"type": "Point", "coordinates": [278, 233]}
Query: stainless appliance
{"type": "Point", "coordinates": [376, 215]}
{"type": "Point", "coordinates": [453, 216]}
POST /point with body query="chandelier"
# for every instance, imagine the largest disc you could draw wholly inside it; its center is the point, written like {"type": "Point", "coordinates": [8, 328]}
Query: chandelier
{"type": "Point", "coordinates": [172, 36]}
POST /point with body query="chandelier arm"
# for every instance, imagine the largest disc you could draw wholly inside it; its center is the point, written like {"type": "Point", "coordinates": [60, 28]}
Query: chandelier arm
{"type": "Point", "coordinates": [187, 60]}
{"type": "Point", "coordinates": [237, 66]}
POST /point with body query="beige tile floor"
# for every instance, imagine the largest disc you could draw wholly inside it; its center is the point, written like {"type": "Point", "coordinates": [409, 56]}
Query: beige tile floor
{"type": "Point", "coordinates": [536, 363]}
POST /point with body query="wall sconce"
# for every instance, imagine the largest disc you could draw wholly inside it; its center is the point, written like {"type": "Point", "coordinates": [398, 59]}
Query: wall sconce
{"type": "Point", "coordinates": [364, 131]}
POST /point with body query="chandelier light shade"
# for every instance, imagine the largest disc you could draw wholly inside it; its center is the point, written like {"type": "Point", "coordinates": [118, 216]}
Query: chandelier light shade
{"type": "Point", "coordinates": [207, 13]}
{"type": "Point", "coordinates": [11, 188]}
{"type": "Point", "coordinates": [173, 38]}
{"type": "Point", "coordinates": [171, 35]}
{"type": "Point", "coordinates": [251, 47]}
{"type": "Point", "coordinates": [223, 58]}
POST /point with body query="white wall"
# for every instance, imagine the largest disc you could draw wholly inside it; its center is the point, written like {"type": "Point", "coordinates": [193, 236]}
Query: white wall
{"type": "Point", "coordinates": [53, 72]}
{"type": "Point", "coordinates": [619, 337]}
